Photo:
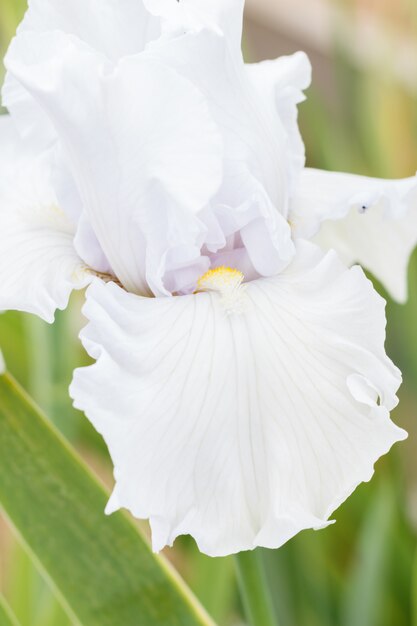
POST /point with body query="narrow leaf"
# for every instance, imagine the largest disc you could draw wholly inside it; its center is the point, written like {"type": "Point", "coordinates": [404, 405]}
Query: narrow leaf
{"type": "Point", "coordinates": [368, 581]}
{"type": "Point", "coordinates": [101, 566]}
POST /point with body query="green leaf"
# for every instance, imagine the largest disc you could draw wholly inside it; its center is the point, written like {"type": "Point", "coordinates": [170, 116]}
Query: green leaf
{"type": "Point", "coordinates": [101, 566]}
{"type": "Point", "coordinates": [29, 595]}
{"type": "Point", "coordinates": [298, 596]}
{"type": "Point", "coordinates": [6, 616]}
{"type": "Point", "coordinates": [366, 588]}
{"type": "Point", "coordinates": [254, 589]}
{"type": "Point", "coordinates": [214, 582]}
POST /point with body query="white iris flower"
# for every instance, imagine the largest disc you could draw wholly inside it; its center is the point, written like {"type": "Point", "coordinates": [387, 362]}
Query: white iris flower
{"type": "Point", "coordinates": [251, 395]}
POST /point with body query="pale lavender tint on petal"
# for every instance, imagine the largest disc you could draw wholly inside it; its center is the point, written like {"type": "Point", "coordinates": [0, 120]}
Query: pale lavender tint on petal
{"type": "Point", "coordinates": [88, 247]}
{"type": "Point", "coordinates": [237, 258]}
{"type": "Point", "coordinates": [183, 280]}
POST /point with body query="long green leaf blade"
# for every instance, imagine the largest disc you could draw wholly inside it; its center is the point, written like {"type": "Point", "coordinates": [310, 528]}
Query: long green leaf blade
{"type": "Point", "coordinates": [365, 590]}
{"type": "Point", "coordinates": [101, 566]}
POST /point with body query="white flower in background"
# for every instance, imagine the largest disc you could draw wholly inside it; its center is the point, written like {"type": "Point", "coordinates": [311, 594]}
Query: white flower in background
{"type": "Point", "coordinates": [251, 396]}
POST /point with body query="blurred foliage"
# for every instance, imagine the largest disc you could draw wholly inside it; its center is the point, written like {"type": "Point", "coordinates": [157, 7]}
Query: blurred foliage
{"type": "Point", "coordinates": [360, 572]}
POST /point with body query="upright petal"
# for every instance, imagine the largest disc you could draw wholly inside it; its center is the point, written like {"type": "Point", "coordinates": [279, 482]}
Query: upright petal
{"type": "Point", "coordinates": [223, 16]}
{"type": "Point", "coordinates": [144, 151]}
{"type": "Point", "coordinates": [241, 420]}
{"type": "Point", "coordinates": [366, 220]}
{"type": "Point", "coordinates": [281, 83]}
{"type": "Point", "coordinates": [38, 264]}
{"type": "Point", "coordinates": [114, 28]}
{"type": "Point", "coordinates": [255, 140]}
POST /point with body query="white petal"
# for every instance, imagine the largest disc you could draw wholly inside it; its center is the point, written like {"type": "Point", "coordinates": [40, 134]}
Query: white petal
{"type": "Point", "coordinates": [244, 426]}
{"type": "Point", "coordinates": [114, 28]}
{"type": "Point", "coordinates": [244, 210]}
{"type": "Point", "coordinates": [31, 121]}
{"type": "Point", "coordinates": [10, 147]}
{"type": "Point", "coordinates": [255, 181]}
{"type": "Point", "coordinates": [253, 134]}
{"type": "Point", "coordinates": [38, 264]}
{"type": "Point", "coordinates": [145, 153]}
{"type": "Point", "coordinates": [281, 83]}
{"type": "Point", "coordinates": [86, 243]}
{"type": "Point", "coordinates": [366, 220]}
{"type": "Point", "coordinates": [223, 16]}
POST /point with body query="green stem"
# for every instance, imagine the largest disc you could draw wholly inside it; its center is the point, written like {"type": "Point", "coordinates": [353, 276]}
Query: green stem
{"type": "Point", "coordinates": [254, 589]}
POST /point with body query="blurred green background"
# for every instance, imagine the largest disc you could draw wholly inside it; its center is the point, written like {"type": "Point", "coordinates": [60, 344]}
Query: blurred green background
{"type": "Point", "coordinates": [360, 116]}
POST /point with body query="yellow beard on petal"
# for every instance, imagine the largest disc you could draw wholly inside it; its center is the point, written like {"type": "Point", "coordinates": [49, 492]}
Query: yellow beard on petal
{"type": "Point", "coordinates": [227, 282]}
